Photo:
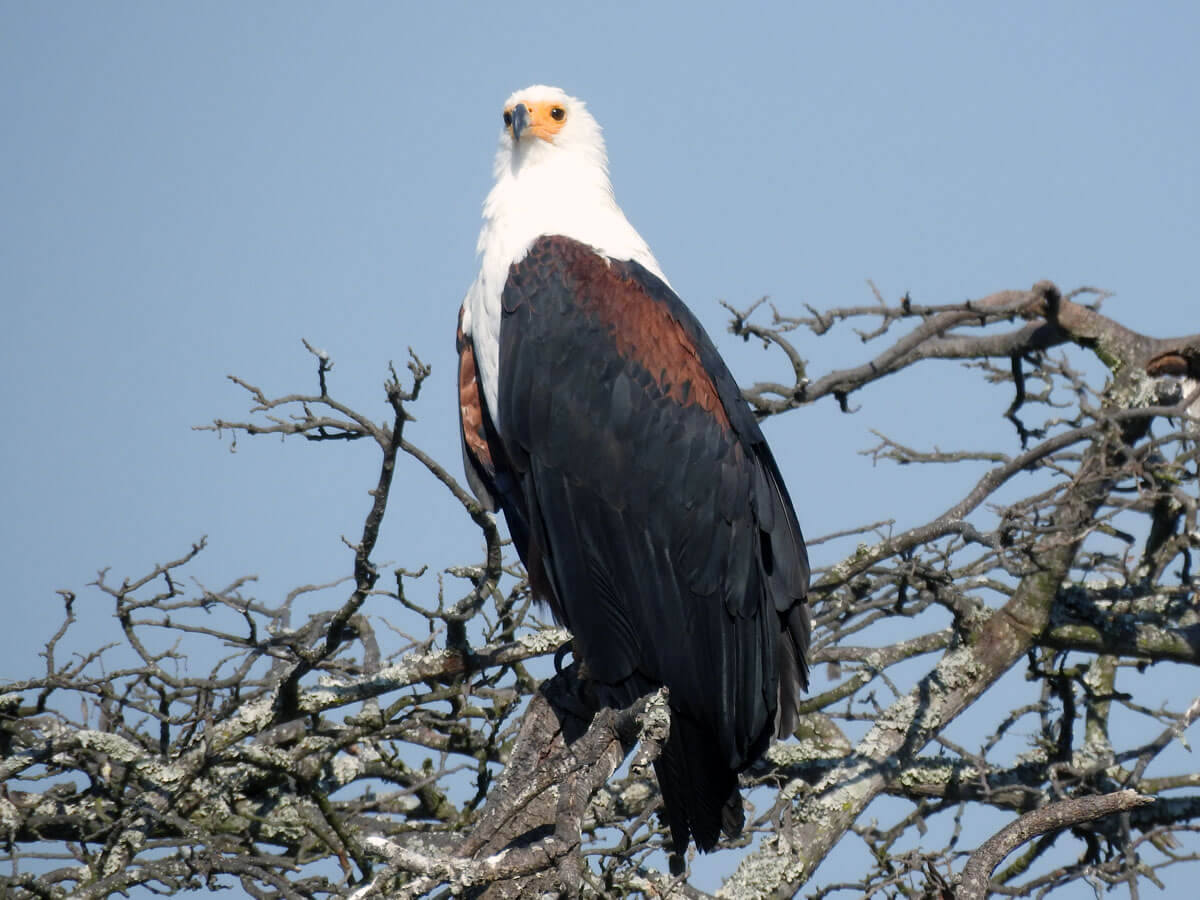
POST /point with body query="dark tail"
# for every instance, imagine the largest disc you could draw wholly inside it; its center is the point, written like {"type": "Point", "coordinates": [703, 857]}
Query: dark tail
{"type": "Point", "coordinates": [700, 792]}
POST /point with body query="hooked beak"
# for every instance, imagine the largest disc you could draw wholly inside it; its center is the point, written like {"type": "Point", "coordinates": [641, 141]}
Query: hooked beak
{"type": "Point", "coordinates": [520, 120]}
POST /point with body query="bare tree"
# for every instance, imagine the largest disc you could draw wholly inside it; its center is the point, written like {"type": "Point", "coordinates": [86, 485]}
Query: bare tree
{"type": "Point", "coordinates": [390, 748]}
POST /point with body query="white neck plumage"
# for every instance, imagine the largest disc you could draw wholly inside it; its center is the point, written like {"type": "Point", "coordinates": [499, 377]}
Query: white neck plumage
{"type": "Point", "coordinates": [541, 190]}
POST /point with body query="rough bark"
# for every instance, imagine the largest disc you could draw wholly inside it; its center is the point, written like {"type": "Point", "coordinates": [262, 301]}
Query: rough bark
{"type": "Point", "coordinates": [422, 757]}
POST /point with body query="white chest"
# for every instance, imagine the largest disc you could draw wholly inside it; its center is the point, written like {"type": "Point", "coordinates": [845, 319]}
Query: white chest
{"type": "Point", "coordinates": [551, 199]}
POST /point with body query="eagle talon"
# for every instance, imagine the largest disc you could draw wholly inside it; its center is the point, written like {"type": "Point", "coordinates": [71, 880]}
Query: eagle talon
{"type": "Point", "coordinates": [560, 654]}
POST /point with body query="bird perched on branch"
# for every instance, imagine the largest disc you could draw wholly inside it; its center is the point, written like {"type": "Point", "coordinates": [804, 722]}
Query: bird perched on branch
{"type": "Point", "coordinates": [636, 483]}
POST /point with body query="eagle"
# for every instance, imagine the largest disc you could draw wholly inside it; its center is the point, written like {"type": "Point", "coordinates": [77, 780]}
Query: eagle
{"type": "Point", "coordinates": [638, 488]}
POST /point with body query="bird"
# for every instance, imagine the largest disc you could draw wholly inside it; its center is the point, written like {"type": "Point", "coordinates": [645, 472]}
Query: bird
{"type": "Point", "coordinates": [637, 485]}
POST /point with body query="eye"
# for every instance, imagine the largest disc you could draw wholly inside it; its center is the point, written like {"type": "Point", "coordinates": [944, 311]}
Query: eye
{"type": "Point", "coordinates": [507, 118]}
{"type": "Point", "coordinates": [557, 113]}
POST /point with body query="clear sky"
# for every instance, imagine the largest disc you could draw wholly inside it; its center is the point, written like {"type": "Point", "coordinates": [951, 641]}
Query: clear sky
{"type": "Point", "coordinates": [188, 190]}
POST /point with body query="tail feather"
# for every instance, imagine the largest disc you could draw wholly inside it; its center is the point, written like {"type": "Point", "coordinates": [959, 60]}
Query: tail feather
{"type": "Point", "coordinates": [700, 793]}
{"type": "Point", "coordinates": [792, 653]}
{"type": "Point", "coordinates": [733, 814]}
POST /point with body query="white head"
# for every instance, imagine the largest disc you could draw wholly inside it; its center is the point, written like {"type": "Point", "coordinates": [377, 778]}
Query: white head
{"type": "Point", "coordinates": [551, 179]}
{"type": "Point", "coordinates": [543, 125]}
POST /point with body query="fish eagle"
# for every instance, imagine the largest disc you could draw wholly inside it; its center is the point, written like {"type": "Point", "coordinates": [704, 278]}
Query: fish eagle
{"type": "Point", "coordinates": [638, 488]}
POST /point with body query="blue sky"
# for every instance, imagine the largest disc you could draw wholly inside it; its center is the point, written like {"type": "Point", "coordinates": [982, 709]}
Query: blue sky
{"type": "Point", "coordinates": [188, 191]}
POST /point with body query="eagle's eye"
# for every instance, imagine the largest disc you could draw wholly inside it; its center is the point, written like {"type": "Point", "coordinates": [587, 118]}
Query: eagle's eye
{"type": "Point", "coordinates": [507, 118]}
{"type": "Point", "coordinates": [557, 113]}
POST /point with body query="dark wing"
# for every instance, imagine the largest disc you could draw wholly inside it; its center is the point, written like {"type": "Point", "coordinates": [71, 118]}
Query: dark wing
{"type": "Point", "coordinates": [652, 501]}
{"type": "Point", "coordinates": [489, 471]}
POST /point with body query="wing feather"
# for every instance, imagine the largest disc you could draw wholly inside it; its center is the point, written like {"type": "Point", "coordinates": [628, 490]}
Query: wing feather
{"type": "Point", "coordinates": [665, 532]}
